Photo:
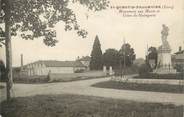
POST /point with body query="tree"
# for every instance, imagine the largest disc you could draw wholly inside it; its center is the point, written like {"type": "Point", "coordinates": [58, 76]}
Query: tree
{"type": "Point", "coordinates": [127, 55]}
{"type": "Point", "coordinates": [36, 19]}
{"type": "Point", "coordinates": [152, 55]}
{"type": "Point", "coordinates": [111, 58]}
{"type": "Point", "coordinates": [40, 16]}
{"type": "Point", "coordinates": [96, 55]}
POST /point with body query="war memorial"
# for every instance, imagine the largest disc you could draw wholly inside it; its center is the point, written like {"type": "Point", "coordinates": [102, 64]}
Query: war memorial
{"type": "Point", "coordinates": [164, 64]}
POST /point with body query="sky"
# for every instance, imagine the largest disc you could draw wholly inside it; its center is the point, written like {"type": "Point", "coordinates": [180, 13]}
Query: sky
{"type": "Point", "coordinates": [111, 27]}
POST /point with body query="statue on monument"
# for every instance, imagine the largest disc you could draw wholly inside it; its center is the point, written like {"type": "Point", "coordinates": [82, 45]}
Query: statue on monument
{"type": "Point", "coordinates": [165, 33]}
{"type": "Point", "coordinates": [164, 65]}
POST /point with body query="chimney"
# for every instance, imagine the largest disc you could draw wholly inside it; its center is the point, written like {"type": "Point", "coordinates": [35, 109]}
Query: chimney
{"type": "Point", "coordinates": [180, 49]}
{"type": "Point", "coordinates": [22, 61]}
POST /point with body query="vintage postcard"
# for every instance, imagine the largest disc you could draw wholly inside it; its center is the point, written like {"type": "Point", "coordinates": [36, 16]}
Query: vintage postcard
{"type": "Point", "coordinates": [91, 58]}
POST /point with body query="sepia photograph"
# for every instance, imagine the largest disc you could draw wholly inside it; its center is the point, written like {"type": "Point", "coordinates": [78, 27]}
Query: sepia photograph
{"type": "Point", "coordinates": [91, 58]}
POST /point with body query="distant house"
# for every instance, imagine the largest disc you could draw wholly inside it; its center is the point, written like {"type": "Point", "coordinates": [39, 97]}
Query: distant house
{"type": "Point", "coordinates": [178, 58]}
{"type": "Point", "coordinates": [85, 61]}
{"type": "Point", "coordinates": [44, 67]}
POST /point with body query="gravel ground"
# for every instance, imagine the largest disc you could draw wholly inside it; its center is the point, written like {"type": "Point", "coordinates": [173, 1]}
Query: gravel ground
{"type": "Point", "coordinates": [84, 88]}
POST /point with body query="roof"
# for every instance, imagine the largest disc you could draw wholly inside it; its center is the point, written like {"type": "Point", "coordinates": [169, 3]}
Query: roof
{"type": "Point", "coordinates": [86, 58]}
{"type": "Point", "coordinates": [179, 56]}
{"type": "Point", "coordinates": [180, 52]}
{"type": "Point", "coordinates": [54, 63]}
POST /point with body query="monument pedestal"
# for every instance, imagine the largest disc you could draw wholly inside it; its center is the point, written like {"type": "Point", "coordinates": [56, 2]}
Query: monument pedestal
{"type": "Point", "coordinates": [164, 64]}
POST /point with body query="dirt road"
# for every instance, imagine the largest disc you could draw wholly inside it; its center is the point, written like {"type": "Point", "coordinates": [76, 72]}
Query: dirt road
{"type": "Point", "coordinates": [83, 87]}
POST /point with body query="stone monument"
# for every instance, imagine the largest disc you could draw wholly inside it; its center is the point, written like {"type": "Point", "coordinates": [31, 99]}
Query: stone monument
{"type": "Point", "coordinates": [104, 69]}
{"type": "Point", "coordinates": [164, 64]}
{"type": "Point", "coordinates": [110, 71]}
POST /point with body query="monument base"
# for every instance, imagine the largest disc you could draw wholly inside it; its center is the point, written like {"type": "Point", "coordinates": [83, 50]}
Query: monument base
{"type": "Point", "coordinates": [164, 65]}
{"type": "Point", "coordinates": [163, 70]}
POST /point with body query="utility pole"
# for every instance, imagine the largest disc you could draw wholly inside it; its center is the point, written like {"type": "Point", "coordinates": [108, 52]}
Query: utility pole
{"type": "Point", "coordinates": [147, 61]}
{"type": "Point", "coordinates": [120, 67]}
{"type": "Point", "coordinates": [9, 82]}
{"type": "Point", "coordinates": [124, 58]}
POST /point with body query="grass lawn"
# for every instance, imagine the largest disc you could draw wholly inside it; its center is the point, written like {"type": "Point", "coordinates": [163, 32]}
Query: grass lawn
{"type": "Point", "coordinates": [84, 106]}
{"type": "Point", "coordinates": [141, 87]}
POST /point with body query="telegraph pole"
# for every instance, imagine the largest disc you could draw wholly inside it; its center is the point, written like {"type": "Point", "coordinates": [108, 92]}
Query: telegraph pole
{"type": "Point", "coordinates": [120, 67]}
{"type": "Point", "coordinates": [124, 58]}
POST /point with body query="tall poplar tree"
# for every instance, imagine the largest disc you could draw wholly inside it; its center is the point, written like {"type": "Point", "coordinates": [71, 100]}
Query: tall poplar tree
{"type": "Point", "coordinates": [96, 55]}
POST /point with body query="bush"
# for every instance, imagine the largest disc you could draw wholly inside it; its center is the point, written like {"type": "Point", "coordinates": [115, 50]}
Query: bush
{"type": "Point", "coordinates": [31, 79]}
{"type": "Point", "coordinates": [79, 71]}
{"type": "Point", "coordinates": [2, 76]}
{"type": "Point", "coordinates": [2, 71]}
{"type": "Point", "coordinates": [177, 76]}
{"type": "Point", "coordinates": [179, 68]}
{"type": "Point", "coordinates": [145, 73]}
{"type": "Point", "coordinates": [129, 70]}
{"type": "Point", "coordinates": [144, 69]}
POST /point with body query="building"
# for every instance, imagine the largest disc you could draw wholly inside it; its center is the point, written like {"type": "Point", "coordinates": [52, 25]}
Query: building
{"type": "Point", "coordinates": [85, 61]}
{"type": "Point", "coordinates": [178, 58]}
{"type": "Point", "coordinates": [50, 66]}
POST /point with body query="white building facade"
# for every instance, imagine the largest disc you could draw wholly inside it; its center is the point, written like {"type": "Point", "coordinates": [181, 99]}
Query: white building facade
{"type": "Point", "coordinates": [46, 67]}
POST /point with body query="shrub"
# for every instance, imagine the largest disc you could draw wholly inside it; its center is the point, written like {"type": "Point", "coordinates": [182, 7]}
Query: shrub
{"type": "Point", "coordinates": [2, 76]}
{"type": "Point", "coordinates": [31, 79]}
{"type": "Point", "coordinates": [177, 76]}
{"type": "Point", "coordinates": [144, 69]}
{"type": "Point", "coordinates": [2, 71]}
{"type": "Point", "coordinates": [79, 71]}
{"type": "Point", "coordinates": [128, 70]}
{"type": "Point", "coordinates": [179, 68]}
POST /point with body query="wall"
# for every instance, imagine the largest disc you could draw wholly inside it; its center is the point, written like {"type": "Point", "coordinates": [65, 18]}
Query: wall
{"type": "Point", "coordinates": [36, 69]}
{"type": "Point", "coordinates": [41, 69]}
{"type": "Point", "coordinates": [60, 69]}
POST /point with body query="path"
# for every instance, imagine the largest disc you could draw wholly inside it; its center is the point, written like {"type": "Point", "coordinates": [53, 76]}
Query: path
{"type": "Point", "coordinates": [83, 88]}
